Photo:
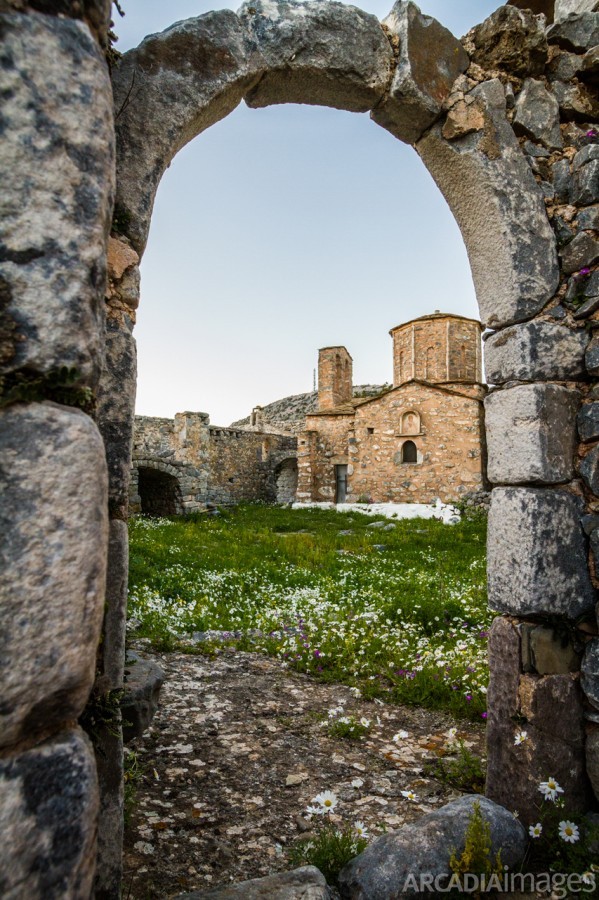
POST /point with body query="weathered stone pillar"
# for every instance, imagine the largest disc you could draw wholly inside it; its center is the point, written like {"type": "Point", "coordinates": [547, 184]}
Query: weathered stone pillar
{"type": "Point", "coordinates": [56, 152]}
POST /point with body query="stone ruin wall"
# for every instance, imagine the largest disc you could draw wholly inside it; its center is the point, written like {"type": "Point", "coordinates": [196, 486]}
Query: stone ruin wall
{"type": "Point", "coordinates": [503, 134]}
{"type": "Point", "coordinates": [210, 464]}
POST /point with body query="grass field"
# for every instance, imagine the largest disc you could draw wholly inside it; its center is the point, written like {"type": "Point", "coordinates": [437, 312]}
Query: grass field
{"type": "Point", "coordinates": [405, 620]}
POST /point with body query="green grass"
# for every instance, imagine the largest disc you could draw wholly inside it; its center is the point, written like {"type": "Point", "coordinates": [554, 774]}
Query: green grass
{"type": "Point", "coordinates": [407, 623]}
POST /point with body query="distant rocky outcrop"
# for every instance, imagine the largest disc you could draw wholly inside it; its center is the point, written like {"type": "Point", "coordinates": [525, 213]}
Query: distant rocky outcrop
{"type": "Point", "coordinates": [289, 414]}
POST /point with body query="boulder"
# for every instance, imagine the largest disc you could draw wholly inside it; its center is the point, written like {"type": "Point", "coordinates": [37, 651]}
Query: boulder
{"type": "Point", "coordinates": [430, 60]}
{"type": "Point", "coordinates": [57, 195]}
{"type": "Point", "coordinates": [588, 422]}
{"type": "Point", "coordinates": [535, 351]}
{"type": "Point", "coordinates": [306, 883]}
{"type": "Point", "coordinates": [581, 252]}
{"type": "Point", "coordinates": [531, 434]}
{"type": "Point", "coordinates": [510, 243]}
{"type": "Point", "coordinates": [538, 7]}
{"type": "Point", "coordinates": [511, 39]}
{"type": "Point", "coordinates": [578, 32]}
{"type": "Point", "coordinates": [53, 536]}
{"type": "Point", "coordinates": [565, 8]}
{"type": "Point", "coordinates": [48, 819]}
{"type": "Point", "coordinates": [322, 52]}
{"type": "Point", "coordinates": [537, 115]}
{"type": "Point", "coordinates": [392, 865]}
{"type": "Point", "coordinates": [537, 554]}
{"type": "Point", "coordinates": [589, 469]}
{"type": "Point", "coordinates": [143, 680]}
{"type": "Point", "coordinates": [590, 66]}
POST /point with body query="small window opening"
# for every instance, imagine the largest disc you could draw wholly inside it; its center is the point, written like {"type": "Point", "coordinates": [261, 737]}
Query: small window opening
{"type": "Point", "coordinates": [370, 430]}
{"type": "Point", "coordinates": [409, 454]}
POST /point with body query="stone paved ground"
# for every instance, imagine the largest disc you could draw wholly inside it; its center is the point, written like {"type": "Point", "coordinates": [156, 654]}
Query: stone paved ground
{"type": "Point", "coordinates": [235, 754]}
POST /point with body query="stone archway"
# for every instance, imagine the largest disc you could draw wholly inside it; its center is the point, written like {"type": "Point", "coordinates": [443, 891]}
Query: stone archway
{"type": "Point", "coordinates": [159, 490]}
{"type": "Point", "coordinates": [456, 105]}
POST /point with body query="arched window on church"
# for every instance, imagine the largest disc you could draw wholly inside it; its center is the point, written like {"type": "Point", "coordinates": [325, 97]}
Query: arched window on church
{"type": "Point", "coordinates": [409, 454]}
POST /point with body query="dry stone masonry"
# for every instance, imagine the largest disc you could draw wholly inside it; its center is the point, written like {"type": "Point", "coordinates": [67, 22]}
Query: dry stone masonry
{"type": "Point", "coordinates": [505, 123]}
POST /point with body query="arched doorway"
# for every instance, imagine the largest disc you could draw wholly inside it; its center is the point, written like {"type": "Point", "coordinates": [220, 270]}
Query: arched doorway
{"type": "Point", "coordinates": [159, 492]}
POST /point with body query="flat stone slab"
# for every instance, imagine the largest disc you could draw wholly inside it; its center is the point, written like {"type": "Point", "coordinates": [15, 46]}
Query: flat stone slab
{"type": "Point", "coordinates": [306, 883]}
{"type": "Point", "coordinates": [535, 351]}
{"type": "Point", "coordinates": [391, 866]}
{"type": "Point", "coordinates": [48, 814]}
{"type": "Point", "coordinates": [537, 555]}
{"type": "Point", "coordinates": [53, 537]}
{"type": "Point", "coordinates": [531, 434]}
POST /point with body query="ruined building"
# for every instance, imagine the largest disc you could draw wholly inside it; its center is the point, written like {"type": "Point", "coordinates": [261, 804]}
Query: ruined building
{"type": "Point", "coordinates": [420, 440]}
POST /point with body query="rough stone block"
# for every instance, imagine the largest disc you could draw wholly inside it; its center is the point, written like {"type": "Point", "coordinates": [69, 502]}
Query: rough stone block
{"type": "Point", "coordinates": [588, 422]}
{"type": "Point", "coordinates": [53, 536]}
{"type": "Point", "coordinates": [56, 193]}
{"type": "Point", "coordinates": [575, 101]}
{"type": "Point", "coordinates": [550, 710]}
{"type": "Point", "coordinates": [48, 817]}
{"type": "Point", "coordinates": [589, 470]}
{"type": "Point", "coordinates": [185, 79]}
{"type": "Point", "coordinates": [552, 653]}
{"type": "Point", "coordinates": [580, 252]}
{"type": "Point", "coordinates": [535, 351]}
{"type": "Point", "coordinates": [592, 357]}
{"type": "Point", "coordinates": [537, 558]}
{"type": "Point", "coordinates": [578, 32]}
{"type": "Point", "coordinates": [590, 66]}
{"type": "Point", "coordinates": [565, 8]}
{"type": "Point", "coordinates": [116, 411]}
{"type": "Point", "coordinates": [430, 60]}
{"type": "Point", "coordinates": [588, 219]}
{"type": "Point", "coordinates": [424, 848]}
{"type": "Point", "coordinates": [320, 53]}
{"type": "Point", "coordinates": [143, 680]}
{"type": "Point", "coordinates": [531, 434]}
{"type": "Point", "coordinates": [511, 39]}
{"type": "Point", "coordinates": [306, 883]}
{"type": "Point", "coordinates": [510, 243]}
{"type": "Point", "coordinates": [589, 672]}
{"type": "Point", "coordinates": [537, 115]}
{"type": "Point", "coordinates": [585, 184]}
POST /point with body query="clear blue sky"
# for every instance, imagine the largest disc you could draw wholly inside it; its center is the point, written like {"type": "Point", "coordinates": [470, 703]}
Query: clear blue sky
{"type": "Point", "coordinates": [282, 230]}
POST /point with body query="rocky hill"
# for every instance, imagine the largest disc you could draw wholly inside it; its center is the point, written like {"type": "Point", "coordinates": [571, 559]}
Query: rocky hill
{"type": "Point", "coordinates": [289, 414]}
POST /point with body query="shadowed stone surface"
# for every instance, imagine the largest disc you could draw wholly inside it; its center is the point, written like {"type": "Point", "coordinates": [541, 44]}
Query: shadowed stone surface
{"type": "Point", "coordinates": [510, 243]}
{"type": "Point", "coordinates": [588, 422]}
{"type": "Point", "coordinates": [53, 533]}
{"type": "Point", "coordinates": [108, 745]}
{"type": "Point", "coordinates": [576, 32]}
{"type": "Point", "coordinates": [306, 883]}
{"type": "Point", "coordinates": [116, 405]}
{"type": "Point", "coordinates": [535, 351]}
{"type": "Point", "coordinates": [531, 434]}
{"type": "Point", "coordinates": [48, 813]}
{"type": "Point", "coordinates": [321, 52]}
{"type": "Point", "coordinates": [143, 680]}
{"type": "Point", "coordinates": [537, 558]}
{"type": "Point", "coordinates": [430, 60]}
{"type": "Point", "coordinates": [56, 195]}
{"type": "Point", "coordinates": [381, 871]}
{"type": "Point", "coordinates": [589, 469]}
{"type": "Point", "coordinates": [113, 643]}
{"type": "Point", "coordinates": [592, 754]}
{"type": "Point", "coordinates": [511, 39]}
{"type": "Point", "coordinates": [565, 8]}
{"type": "Point", "coordinates": [590, 672]}
{"type": "Point", "coordinates": [166, 91]}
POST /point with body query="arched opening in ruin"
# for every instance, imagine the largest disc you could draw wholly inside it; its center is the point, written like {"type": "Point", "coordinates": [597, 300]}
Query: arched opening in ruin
{"type": "Point", "coordinates": [409, 453]}
{"type": "Point", "coordinates": [286, 481]}
{"type": "Point", "coordinates": [159, 492]}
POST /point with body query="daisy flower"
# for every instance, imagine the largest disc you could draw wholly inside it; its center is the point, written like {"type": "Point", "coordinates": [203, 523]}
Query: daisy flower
{"type": "Point", "coordinates": [400, 736]}
{"type": "Point", "coordinates": [535, 830]}
{"type": "Point", "coordinates": [520, 737]}
{"type": "Point", "coordinates": [360, 829]}
{"type": "Point", "coordinates": [326, 800]}
{"type": "Point", "coordinates": [568, 832]}
{"type": "Point", "coordinates": [409, 795]}
{"type": "Point", "coordinates": [550, 789]}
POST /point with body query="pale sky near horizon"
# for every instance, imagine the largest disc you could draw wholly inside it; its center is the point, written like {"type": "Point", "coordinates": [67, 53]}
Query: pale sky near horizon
{"type": "Point", "coordinates": [282, 230]}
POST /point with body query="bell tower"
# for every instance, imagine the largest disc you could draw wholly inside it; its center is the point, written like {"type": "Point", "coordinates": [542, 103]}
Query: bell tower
{"type": "Point", "coordinates": [335, 377]}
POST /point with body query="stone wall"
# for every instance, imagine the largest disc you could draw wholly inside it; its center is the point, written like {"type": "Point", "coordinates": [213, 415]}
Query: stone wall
{"type": "Point", "coordinates": [181, 464]}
